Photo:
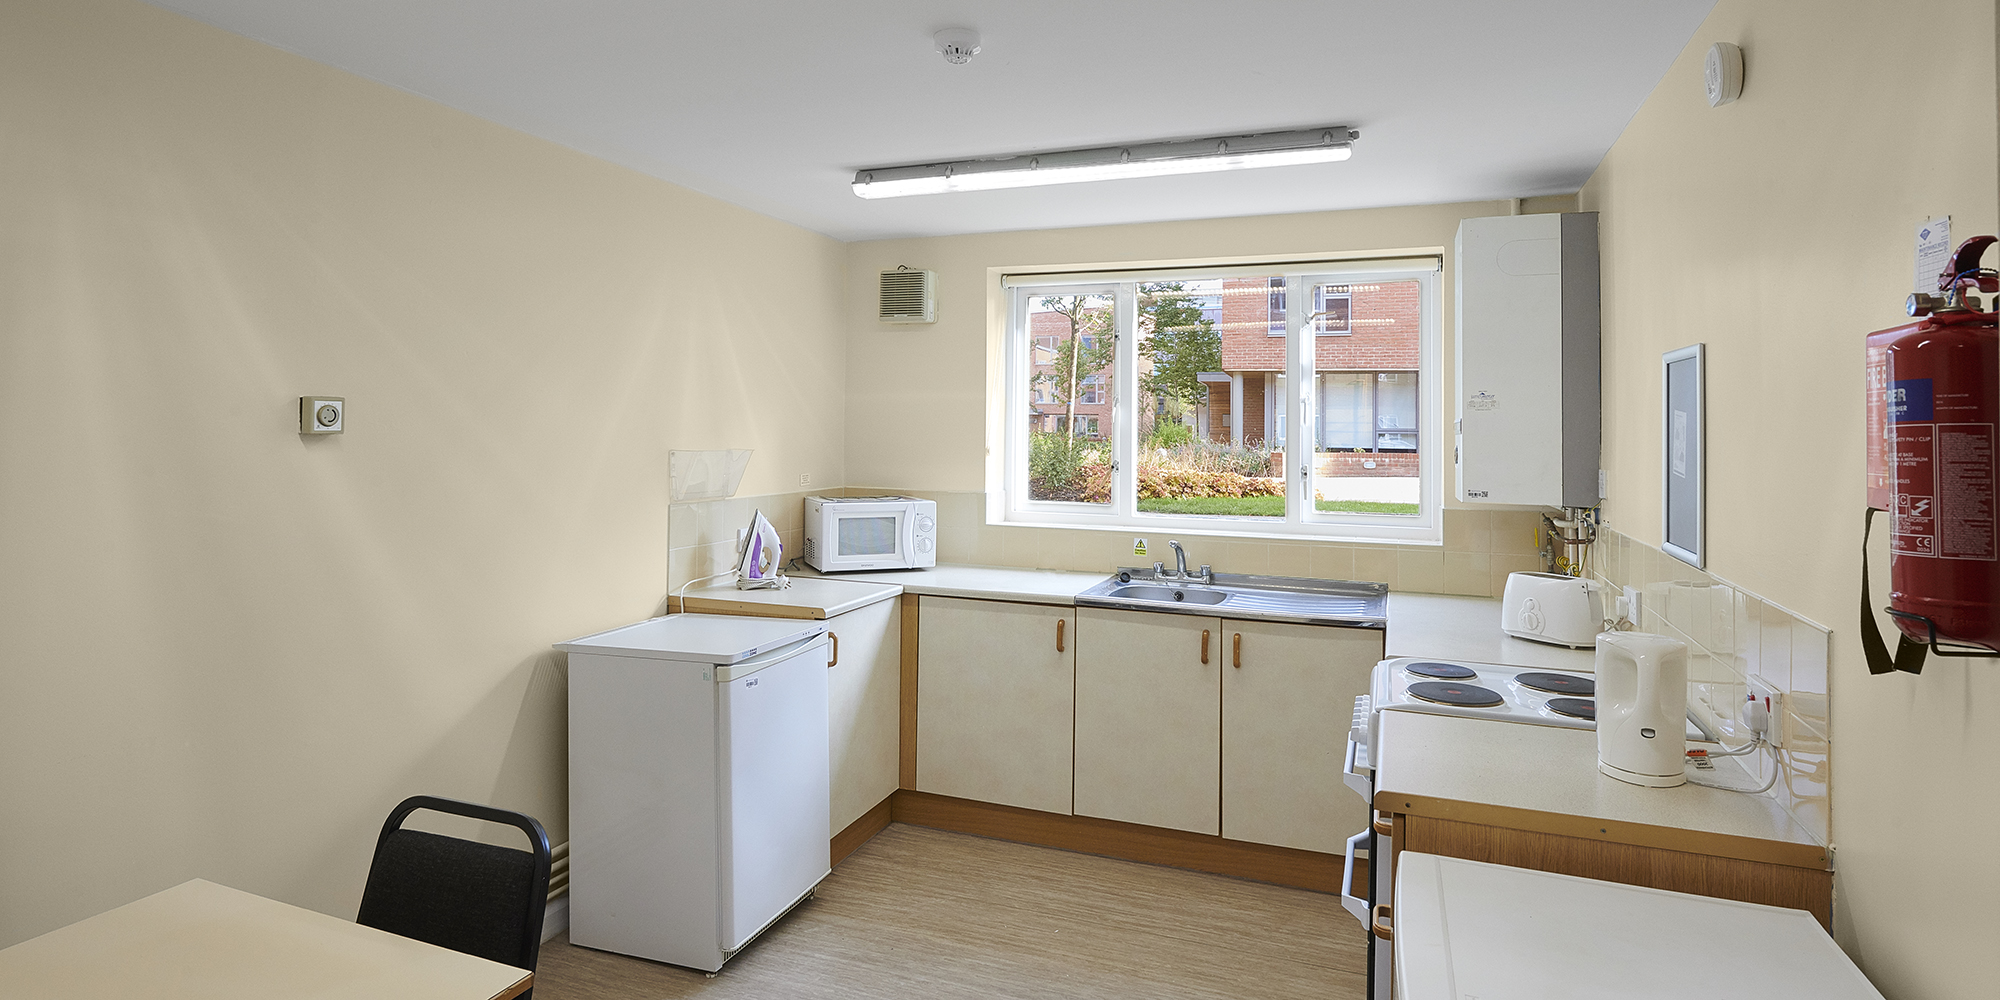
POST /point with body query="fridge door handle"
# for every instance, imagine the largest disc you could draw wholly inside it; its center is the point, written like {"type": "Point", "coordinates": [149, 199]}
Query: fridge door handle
{"type": "Point", "coordinates": [1355, 905]}
{"type": "Point", "coordinates": [1385, 922]}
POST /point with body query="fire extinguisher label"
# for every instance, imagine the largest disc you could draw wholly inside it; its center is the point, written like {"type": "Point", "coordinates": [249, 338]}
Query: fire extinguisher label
{"type": "Point", "coordinates": [1910, 400]}
{"type": "Point", "coordinates": [1916, 489]}
{"type": "Point", "coordinates": [1944, 491]}
{"type": "Point", "coordinates": [1965, 491]}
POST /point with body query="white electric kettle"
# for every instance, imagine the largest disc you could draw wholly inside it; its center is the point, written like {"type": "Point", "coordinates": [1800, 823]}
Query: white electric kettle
{"type": "Point", "coordinates": [1642, 708]}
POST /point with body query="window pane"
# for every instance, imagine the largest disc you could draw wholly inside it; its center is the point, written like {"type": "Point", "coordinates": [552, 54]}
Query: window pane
{"type": "Point", "coordinates": [1198, 338]}
{"type": "Point", "coordinates": [1366, 344]}
{"type": "Point", "coordinates": [1346, 411]}
{"type": "Point", "coordinates": [1069, 397]}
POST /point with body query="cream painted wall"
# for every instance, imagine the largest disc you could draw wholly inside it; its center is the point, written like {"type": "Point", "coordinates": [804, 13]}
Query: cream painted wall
{"type": "Point", "coordinates": [917, 393]}
{"type": "Point", "coordinates": [1779, 231]}
{"type": "Point", "coordinates": [229, 650]}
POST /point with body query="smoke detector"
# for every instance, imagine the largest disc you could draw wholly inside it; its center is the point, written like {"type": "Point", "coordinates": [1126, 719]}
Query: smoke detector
{"type": "Point", "coordinates": [957, 45]}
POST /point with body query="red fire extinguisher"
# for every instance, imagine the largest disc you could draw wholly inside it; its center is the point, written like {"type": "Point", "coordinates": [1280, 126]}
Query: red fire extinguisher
{"type": "Point", "coordinates": [1933, 409]}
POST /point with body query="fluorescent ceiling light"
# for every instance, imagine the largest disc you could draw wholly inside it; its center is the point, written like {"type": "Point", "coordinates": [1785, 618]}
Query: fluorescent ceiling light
{"type": "Point", "coordinates": [1152, 159]}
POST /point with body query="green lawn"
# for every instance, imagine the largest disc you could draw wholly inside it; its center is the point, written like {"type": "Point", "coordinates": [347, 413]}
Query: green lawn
{"type": "Point", "coordinates": [1263, 506]}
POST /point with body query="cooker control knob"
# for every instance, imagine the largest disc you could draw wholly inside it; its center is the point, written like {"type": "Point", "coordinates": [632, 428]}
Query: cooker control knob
{"type": "Point", "coordinates": [923, 545]}
{"type": "Point", "coordinates": [925, 524]}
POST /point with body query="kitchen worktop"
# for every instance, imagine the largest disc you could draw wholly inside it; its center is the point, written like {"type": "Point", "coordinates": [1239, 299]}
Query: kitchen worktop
{"type": "Point", "coordinates": [1444, 627]}
{"type": "Point", "coordinates": [1545, 779]}
{"type": "Point", "coordinates": [991, 583]}
{"type": "Point", "coordinates": [813, 597]}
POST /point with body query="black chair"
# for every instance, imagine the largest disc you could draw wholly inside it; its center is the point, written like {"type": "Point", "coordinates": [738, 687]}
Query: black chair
{"type": "Point", "coordinates": [460, 894]}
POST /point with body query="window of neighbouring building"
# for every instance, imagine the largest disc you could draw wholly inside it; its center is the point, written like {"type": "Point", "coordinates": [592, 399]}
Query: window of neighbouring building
{"type": "Point", "coordinates": [1161, 399]}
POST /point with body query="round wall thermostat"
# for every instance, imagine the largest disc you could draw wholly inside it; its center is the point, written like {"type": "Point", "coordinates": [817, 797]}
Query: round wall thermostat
{"type": "Point", "coordinates": [1723, 73]}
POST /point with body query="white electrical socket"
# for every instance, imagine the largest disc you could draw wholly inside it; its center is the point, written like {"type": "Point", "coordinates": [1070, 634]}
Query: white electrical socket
{"type": "Point", "coordinates": [805, 479]}
{"type": "Point", "coordinates": [1634, 607]}
{"type": "Point", "coordinates": [1764, 711]}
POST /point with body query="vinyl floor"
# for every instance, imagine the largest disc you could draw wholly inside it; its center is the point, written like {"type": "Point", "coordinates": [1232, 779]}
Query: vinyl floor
{"type": "Point", "coordinates": [924, 913]}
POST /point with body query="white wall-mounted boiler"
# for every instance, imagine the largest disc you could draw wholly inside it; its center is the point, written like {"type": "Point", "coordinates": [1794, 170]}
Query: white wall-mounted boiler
{"type": "Point", "coordinates": [1527, 415]}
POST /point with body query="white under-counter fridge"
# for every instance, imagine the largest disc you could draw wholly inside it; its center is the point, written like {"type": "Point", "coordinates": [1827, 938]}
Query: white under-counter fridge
{"type": "Point", "coordinates": [698, 783]}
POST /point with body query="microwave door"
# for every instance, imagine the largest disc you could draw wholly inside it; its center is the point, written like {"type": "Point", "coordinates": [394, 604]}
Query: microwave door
{"type": "Point", "coordinates": [869, 539]}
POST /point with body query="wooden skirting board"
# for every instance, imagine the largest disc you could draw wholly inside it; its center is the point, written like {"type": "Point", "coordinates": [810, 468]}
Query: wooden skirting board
{"type": "Point", "coordinates": [860, 831]}
{"type": "Point", "coordinates": [1128, 841]}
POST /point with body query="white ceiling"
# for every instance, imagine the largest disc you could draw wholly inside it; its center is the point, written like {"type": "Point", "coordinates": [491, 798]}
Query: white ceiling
{"type": "Point", "coordinates": [773, 105]}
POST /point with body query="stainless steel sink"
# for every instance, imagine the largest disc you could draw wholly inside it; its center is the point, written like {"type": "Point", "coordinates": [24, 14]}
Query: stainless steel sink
{"type": "Point", "coordinates": [1153, 592]}
{"type": "Point", "coordinates": [1263, 598]}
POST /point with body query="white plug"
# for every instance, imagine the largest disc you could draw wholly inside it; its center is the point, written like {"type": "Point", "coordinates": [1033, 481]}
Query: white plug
{"type": "Point", "coordinates": [1764, 705]}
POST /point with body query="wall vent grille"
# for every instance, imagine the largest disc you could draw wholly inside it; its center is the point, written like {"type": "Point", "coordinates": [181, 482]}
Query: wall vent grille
{"type": "Point", "coordinates": [909, 296]}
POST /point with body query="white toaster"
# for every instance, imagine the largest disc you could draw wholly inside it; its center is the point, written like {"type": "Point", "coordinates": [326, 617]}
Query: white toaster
{"type": "Point", "coordinates": [1553, 608]}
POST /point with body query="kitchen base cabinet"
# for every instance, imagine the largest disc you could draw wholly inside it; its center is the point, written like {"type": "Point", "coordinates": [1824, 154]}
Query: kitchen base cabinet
{"type": "Point", "coordinates": [863, 687]}
{"type": "Point", "coordinates": [995, 701]}
{"type": "Point", "coordinates": [1148, 719]}
{"type": "Point", "coordinates": [1287, 694]}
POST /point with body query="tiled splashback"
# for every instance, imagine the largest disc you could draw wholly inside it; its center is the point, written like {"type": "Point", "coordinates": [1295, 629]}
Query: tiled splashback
{"type": "Point", "coordinates": [1480, 547]}
{"type": "Point", "coordinates": [701, 537]}
{"type": "Point", "coordinates": [1732, 635]}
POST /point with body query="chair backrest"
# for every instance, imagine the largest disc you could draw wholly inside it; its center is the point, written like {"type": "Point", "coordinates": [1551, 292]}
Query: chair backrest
{"type": "Point", "coordinates": [460, 894]}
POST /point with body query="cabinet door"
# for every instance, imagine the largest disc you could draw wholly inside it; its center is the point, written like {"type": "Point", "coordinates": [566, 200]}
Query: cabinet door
{"type": "Point", "coordinates": [995, 701]}
{"type": "Point", "coordinates": [863, 691]}
{"type": "Point", "coordinates": [1286, 706]}
{"type": "Point", "coordinates": [1148, 719]}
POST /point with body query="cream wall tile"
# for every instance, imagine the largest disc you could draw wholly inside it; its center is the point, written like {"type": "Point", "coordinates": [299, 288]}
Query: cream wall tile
{"type": "Point", "coordinates": [1289, 559]}
{"type": "Point", "coordinates": [1333, 562]}
{"type": "Point", "coordinates": [1377, 563]}
{"type": "Point", "coordinates": [1745, 631]}
{"type": "Point", "coordinates": [1503, 564]}
{"type": "Point", "coordinates": [1055, 548]}
{"type": "Point", "coordinates": [989, 547]}
{"type": "Point", "coordinates": [1516, 532]}
{"type": "Point", "coordinates": [1774, 656]}
{"type": "Point", "coordinates": [1807, 714]}
{"type": "Point", "coordinates": [1020, 547]}
{"type": "Point", "coordinates": [1806, 779]}
{"type": "Point", "coordinates": [1469, 573]}
{"type": "Point", "coordinates": [955, 544]}
{"type": "Point", "coordinates": [680, 526]}
{"type": "Point", "coordinates": [680, 567]}
{"type": "Point", "coordinates": [1468, 530]}
{"type": "Point", "coordinates": [1420, 570]}
{"type": "Point", "coordinates": [1722, 621]}
{"type": "Point", "coordinates": [1695, 613]}
{"type": "Point", "coordinates": [1240, 557]}
{"type": "Point", "coordinates": [1810, 646]}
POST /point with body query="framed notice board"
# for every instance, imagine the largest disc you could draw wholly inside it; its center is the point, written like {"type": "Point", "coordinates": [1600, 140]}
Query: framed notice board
{"type": "Point", "coordinates": [1683, 478]}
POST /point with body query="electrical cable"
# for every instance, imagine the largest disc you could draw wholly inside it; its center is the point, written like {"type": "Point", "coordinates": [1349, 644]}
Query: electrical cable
{"type": "Point", "coordinates": [1776, 765]}
{"type": "Point", "coordinates": [684, 587]}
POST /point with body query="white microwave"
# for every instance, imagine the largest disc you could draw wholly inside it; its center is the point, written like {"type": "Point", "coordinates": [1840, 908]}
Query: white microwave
{"type": "Point", "coordinates": [855, 533]}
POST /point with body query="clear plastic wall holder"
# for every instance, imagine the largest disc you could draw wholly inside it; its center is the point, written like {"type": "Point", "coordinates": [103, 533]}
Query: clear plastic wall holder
{"type": "Point", "coordinates": [706, 475]}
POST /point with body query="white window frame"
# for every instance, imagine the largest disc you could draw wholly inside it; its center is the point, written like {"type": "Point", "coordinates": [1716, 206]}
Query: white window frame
{"type": "Point", "coordinates": [1302, 520]}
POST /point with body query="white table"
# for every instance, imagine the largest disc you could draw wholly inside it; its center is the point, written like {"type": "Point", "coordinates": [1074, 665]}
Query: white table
{"type": "Point", "coordinates": [203, 940]}
{"type": "Point", "coordinates": [1469, 929]}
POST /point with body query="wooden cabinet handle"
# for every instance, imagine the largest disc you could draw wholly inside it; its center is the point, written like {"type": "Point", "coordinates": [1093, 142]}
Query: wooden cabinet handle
{"type": "Point", "coordinates": [1204, 646]}
{"type": "Point", "coordinates": [835, 636]}
{"type": "Point", "coordinates": [1385, 922]}
{"type": "Point", "coordinates": [1385, 824]}
{"type": "Point", "coordinates": [1061, 623]}
{"type": "Point", "coordinates": [1236, 650]}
